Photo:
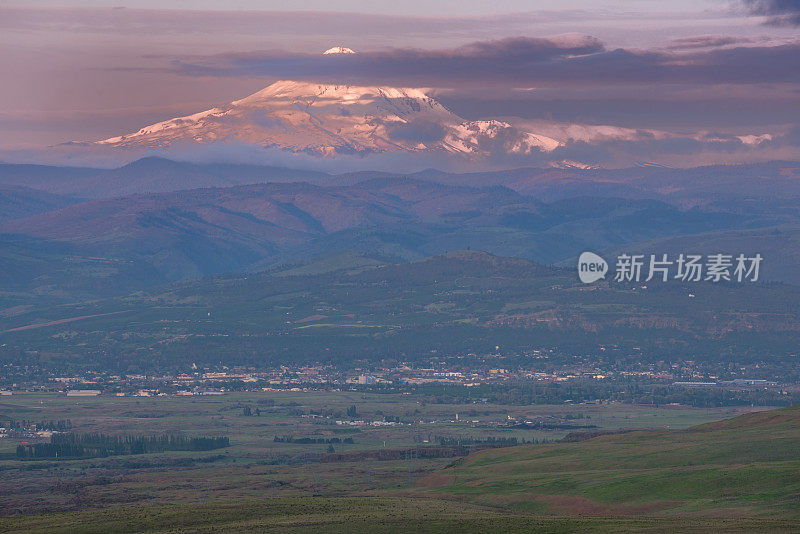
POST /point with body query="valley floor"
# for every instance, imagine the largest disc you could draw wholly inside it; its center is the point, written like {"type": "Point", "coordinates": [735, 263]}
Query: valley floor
{"type": "Point", "coordinates": [289, 468]}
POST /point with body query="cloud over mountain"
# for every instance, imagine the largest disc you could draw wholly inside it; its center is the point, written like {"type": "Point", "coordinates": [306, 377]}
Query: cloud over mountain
{"type": "Point", "coordinates": [566, 61]}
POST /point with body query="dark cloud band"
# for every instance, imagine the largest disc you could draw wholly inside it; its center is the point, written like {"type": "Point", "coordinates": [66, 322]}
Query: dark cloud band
{"type": "Point", "coordinates": [779, 12]}
{"type": "Point", "coordinates": [565, 61]}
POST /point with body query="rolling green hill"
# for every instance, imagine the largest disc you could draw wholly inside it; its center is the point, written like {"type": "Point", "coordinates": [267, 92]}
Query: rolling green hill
{"type": "Point", "coordinates": [745, 466]}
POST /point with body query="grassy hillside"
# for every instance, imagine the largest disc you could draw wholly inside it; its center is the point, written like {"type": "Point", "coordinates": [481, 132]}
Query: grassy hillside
{"type": "Point", "coordinates": [357, 515]}
{"type": "Point", "coordinates": [746, 466]}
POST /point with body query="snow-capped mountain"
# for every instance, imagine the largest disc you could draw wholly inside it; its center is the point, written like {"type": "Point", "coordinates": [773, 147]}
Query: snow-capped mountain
{"type": "Point", "coordinates": [338, 50]}
{"type": "Point", "coordinates": [327, 120]}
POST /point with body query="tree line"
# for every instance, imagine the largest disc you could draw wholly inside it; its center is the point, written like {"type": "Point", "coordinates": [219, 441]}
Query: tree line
{"type": "Point", "coordinates": [101, 445]}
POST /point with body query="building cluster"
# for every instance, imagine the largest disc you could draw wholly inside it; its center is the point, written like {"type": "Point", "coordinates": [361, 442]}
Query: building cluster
{"type": "Point", "coordinates": [466, 372]}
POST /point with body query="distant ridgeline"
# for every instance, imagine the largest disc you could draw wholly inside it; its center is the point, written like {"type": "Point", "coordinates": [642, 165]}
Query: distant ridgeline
{"type": "Point", "coordinates": [101, 445]}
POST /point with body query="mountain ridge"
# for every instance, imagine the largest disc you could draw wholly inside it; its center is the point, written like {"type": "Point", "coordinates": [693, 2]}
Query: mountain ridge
{"type": "Point", "coordinates": [198, 232]}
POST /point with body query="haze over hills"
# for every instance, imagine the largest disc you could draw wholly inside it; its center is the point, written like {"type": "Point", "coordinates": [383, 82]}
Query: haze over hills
{"type": "Point", "coordinates": [205, 231]}
{"type": "Point", "coordinates": [687, 187]}
{"type": "Point", "coordinates": [701, 186]}
{"type": "Point", "coordinates": [145, 175]}
{"type": "Point", "coordinates": [156, 220]}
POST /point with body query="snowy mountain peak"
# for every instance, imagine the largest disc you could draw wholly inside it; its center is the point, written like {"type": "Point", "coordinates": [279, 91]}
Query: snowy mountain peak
{"type": "Point", "coordinates": [343, 94]}
{"type": "Point", "coordinates": [338, 50]}
{"type": "Point", "coordinates": [328, 120]}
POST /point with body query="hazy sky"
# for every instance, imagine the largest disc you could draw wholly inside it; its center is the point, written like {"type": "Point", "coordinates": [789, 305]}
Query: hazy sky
{"type": "Point", "coordinates": [86, 70]}
{"type": "Point", "coordinates": [406, 7]}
